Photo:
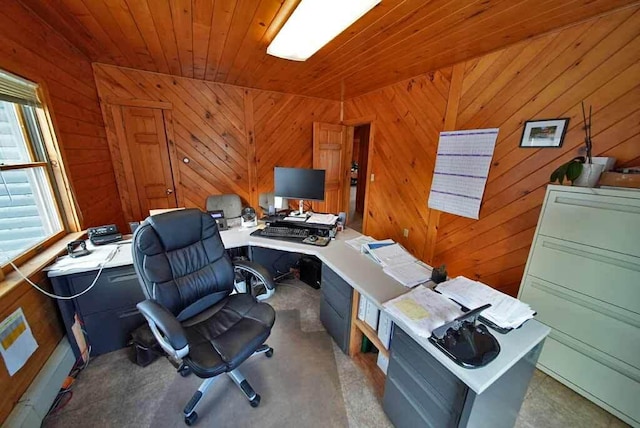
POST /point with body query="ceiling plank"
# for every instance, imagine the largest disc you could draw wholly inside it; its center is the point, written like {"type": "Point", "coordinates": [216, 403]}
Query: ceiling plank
{"type": "Point", "coordinates": [161, 15]}
{"type": "Point", "coordinates": [141, 15]}
{"type": "Point", "coordinates": [183, 29]}
{"type": "Point", "coordinates": [222, 15]}
{"type": "Point", "coordinates": [202, 20]}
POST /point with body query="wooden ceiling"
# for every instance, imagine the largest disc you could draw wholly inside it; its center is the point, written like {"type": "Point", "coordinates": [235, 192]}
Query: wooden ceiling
{"type": "Point", "coordinates": [225, 41]}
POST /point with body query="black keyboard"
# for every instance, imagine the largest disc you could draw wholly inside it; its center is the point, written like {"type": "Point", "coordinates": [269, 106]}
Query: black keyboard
{"type": "Point", "coordinates": [284, 232]}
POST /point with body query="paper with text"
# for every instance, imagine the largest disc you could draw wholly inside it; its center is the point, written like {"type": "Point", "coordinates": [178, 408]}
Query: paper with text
{"type": "Point", "coordinates": [423, 310]}
{"type": "Point", "coordinates": [461, 171]}
{"type": "Point", "coordinates": [16, 341]}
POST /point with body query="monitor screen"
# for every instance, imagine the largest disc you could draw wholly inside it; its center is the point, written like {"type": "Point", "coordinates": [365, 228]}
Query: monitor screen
{"type": "Point", "coordinates": [299, 183]}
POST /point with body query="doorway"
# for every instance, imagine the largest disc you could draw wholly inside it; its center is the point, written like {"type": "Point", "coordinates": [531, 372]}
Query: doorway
{"type": "Point", "coordinates": [358, 184]}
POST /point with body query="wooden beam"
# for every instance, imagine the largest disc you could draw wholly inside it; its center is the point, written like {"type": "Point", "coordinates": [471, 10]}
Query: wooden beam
{"type": "Point", "coordinates": [453, 102]}
{"type": "Point", "coordinates": [249, 128]}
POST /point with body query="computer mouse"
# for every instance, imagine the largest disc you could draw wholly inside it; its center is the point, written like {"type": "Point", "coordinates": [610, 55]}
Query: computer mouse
{"type": "Point", "coordinates": [313, 238]}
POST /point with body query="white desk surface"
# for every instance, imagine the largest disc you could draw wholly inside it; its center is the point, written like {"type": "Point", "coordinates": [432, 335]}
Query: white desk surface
{"type": "Point", "coordinates": [362, 274]}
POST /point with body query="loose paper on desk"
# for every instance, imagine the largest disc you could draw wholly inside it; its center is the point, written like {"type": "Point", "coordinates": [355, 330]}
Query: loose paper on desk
{"type": "Point", "coordinates": [293, 218]}
{"type": "Point", "coordinates": [357, 243]}
{"type": "Point", "coordinates": [391, 255]}
{"type": "Point", "coordinates": [423, 310]}
{"type": "Point", "coordinates": [505, 311]}
{"type": "Point", "coordinates": [16, 341]}
{"type": "Point", "coordinates": [409, 274]}
{"type": "Point", "coordinates": [327, 219]}
{"type": "Point", "coordinates": [462, 167]}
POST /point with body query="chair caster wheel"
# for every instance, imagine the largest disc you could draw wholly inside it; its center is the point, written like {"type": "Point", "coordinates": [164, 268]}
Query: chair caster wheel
{"type": "Point", "coordinates": [269, 353]}
{"type": "Point", "coordinates": [184, 372]}
{"type": "Point", "coordinates": [256, 401]}
{"type": "Point", "coordinates": [191, 419]}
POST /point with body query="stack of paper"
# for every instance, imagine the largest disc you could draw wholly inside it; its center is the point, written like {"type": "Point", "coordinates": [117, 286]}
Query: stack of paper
{"type": "Point", "coordinates": [409, 274]}
{"type": "Point", "coordinates": [505, 311]}
{"type": "Point", "coordinates": [328, 219]}
{"type": "Point", "coordinates": [397, 262]}
{"type": "Point", "coordinates": [423, 310]}
{"type": "Point", "coordinates": [373, 245]}
{"type": "Point", "coordinates": [357, 243]}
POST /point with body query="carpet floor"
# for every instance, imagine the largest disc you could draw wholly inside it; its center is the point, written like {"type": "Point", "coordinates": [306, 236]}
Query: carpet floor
{"type": "Point", "coordinates": [303, 384]}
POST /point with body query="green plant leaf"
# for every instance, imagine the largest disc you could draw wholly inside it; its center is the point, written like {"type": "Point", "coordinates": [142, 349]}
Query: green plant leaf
{"type": "Point", "coordinates": [574, 170]}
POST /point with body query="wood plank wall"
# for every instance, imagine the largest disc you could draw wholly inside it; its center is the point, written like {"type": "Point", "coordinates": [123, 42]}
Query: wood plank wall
{"type": "Point", "coordinates": [597, 61]}
{"type": "Point", "coordinates": [408, 118]}
{"type": "Point", "coordinates": [30, 48]}
{"type": "Point", "coordinates": [232, 136]}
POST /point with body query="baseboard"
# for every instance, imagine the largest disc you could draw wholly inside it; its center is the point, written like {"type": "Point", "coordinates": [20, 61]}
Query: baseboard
{"type": "Point", "coordinates": [36, 401]}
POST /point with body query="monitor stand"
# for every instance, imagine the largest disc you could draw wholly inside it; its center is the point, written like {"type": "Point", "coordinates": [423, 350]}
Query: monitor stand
{"type": "Point", "coordinates": [300, 212]}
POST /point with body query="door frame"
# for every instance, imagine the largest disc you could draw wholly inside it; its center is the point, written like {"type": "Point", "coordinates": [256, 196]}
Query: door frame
{"type": "Point", "coordinates": [352, 123]}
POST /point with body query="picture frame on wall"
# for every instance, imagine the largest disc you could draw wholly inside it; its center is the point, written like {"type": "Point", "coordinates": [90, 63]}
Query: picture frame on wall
{"type": "Point", "coordinates": [544, 133]}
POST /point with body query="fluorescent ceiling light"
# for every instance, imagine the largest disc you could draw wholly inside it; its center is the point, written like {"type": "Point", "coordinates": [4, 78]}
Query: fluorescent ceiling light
{"type": "Point", "coordinates": [315, 23]}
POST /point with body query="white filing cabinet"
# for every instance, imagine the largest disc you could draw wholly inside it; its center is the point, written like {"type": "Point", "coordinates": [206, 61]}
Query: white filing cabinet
{"type": "Point", "coordinates": [583, 279]}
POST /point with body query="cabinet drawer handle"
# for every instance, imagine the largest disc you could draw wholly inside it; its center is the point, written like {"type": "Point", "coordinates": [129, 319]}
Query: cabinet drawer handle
{"type": "Point", "coordinates": [123, 277]}
{"type": "Point", "coordinates": [597, 204]}
{"type": "Point", "coordinates": [591, 255]}
{"type": "Point", "coordinates": [586, 304]}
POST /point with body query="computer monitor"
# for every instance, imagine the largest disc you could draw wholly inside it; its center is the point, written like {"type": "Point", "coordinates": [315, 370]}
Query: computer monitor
{"type": "Point", "coordinates": [299, 183]}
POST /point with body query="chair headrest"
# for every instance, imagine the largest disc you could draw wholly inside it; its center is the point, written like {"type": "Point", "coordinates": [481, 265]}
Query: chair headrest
{"type": "Point", "coordinates": [178, 229]}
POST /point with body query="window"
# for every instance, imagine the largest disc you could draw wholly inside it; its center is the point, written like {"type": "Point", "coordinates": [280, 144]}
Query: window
{"type": "Point", "coordinates": [29, 213]}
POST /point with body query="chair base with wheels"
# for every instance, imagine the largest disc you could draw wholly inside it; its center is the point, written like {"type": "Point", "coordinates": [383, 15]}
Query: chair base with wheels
{"type": "Point", "coordinates": [190, 415]}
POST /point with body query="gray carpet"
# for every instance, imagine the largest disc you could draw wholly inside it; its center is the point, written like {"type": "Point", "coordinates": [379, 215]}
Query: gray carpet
{"type": "Point", "coordinates": [113, 392]}
{"type": "Point", "coordinates": [299, 386]}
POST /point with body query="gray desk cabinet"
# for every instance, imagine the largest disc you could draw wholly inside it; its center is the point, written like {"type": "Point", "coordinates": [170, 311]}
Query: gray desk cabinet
{"type": "Point", "coordinates": [335, 307]}
{"type": "Point", "coordinates": [419, 391]}
{"type": "Point", "coordinates": [108, 311]}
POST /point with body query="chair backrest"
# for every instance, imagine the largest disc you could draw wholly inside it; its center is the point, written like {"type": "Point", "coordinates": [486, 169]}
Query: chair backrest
{"type": "Point", "coordinates": [181, 262]}
{"type": "Point", "coordinates": [230, 204]}
{"type": "Point", "coordinates": [265, 200]}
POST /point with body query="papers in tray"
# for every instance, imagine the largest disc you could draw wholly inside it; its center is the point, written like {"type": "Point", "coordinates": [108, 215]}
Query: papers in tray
{"type": "Point", "coordinates": [328, 219]}
{"type": "Point", "coordinates": [409, 274]}
{"type": "Point", "coordinates": [505, 311]}
{"type": "Point", "coordinates": [423, 310]}
{"type": "Point", "coordinates": [357, 243]}
{"type": "Point", "coordinates": [397, 262]}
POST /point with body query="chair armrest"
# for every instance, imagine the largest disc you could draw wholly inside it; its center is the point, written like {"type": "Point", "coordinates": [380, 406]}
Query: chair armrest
{"type": "Point", "coordinates": [165, 327]}
{"type": "Point", "coordinates": [258, 271]}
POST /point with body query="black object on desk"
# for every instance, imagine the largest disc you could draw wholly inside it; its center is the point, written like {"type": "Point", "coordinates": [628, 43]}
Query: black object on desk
{"type": "Point", "coordinates": [296, 232]}
{"type": "Point", "coordinates": [469, 344]}
{"type": "Point", "coordinates": [102, 235]}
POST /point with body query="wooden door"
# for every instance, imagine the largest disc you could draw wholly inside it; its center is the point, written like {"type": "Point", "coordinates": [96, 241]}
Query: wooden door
{"type": "Point", "coordinates": [145, 142]}
{"type": "Point", "coordinates": [332, 145]}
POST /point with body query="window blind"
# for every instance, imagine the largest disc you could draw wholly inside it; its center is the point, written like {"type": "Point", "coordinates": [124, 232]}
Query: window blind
{"type": "Point", "coordinates": [18, 90]}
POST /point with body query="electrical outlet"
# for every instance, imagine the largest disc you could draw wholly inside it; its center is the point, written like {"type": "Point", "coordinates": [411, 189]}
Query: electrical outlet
{"type": "Point", "coordinates": [373, 178]}
{"type": "Point", "coordinates": [405, 233]}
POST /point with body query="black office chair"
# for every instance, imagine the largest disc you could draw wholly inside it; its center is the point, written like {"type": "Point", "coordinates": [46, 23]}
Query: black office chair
{"type": "Point", "coordinates": [188, 279]}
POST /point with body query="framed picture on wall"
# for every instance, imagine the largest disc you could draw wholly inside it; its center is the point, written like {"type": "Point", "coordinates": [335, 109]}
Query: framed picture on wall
{"type": "Point", "coordinates": [544, 133]}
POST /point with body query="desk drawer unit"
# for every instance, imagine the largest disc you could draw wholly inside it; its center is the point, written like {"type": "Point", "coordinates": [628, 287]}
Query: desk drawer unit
{"type": "Point", "coordinates": [108, 311]}
{"type": "Point", "coordinates": [335, 307]}
{"type": "Point", "coordinates": [419, 391]}
{"type": "Point", "coordinates": [583, 279]}
{"type": "Point", "coordinates": [116, 288]}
